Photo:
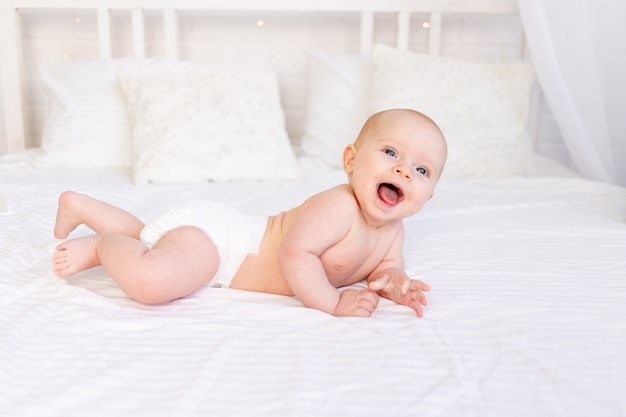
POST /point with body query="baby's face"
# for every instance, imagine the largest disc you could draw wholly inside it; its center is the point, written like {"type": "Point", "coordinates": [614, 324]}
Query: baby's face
{"type": "Point", "coordinates": [396, 166]}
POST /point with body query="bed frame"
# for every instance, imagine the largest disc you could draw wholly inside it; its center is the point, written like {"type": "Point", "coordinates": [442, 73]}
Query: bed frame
{"type": "Point", "coordinates": [11, 57]}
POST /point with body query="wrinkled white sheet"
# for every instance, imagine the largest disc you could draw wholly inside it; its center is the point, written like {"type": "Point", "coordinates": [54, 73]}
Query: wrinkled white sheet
{"type": "Point", "coordinates": [526, 317]}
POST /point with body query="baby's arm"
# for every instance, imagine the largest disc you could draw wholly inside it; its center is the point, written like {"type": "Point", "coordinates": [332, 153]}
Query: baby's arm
{"type": "Point", "coordinates": [324, 220]}
{"type": "Point", "coordinates": [391, 282]}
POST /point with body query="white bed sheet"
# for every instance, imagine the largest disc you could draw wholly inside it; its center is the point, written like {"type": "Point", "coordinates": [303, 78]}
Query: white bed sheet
{"type": "Point", "coordinates": [527, 313]}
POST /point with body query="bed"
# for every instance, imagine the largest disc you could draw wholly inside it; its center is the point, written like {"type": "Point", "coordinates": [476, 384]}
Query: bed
{"type": "Point", "coordinates": [526, 259]}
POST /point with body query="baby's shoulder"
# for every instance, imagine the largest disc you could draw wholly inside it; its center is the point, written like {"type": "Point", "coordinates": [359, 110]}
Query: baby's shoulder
{"type": "Point", "coordinates": [339, 191]}
{"type": "Point", "coordinates": [339, 195]}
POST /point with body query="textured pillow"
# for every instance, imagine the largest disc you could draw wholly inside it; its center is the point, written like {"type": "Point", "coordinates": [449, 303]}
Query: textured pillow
{"type": "Point", "coordinates": [336, 107]}
{"type": "Point", "coordinates": [482, 108]}
{"type": "Point", "coordinates": [220, 125]}
{"type": "Point", "coordinates": [87, 123]}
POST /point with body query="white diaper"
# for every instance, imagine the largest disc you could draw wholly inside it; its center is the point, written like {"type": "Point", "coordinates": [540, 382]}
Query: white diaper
{"type": "Point", "coordinates": [235, 234]}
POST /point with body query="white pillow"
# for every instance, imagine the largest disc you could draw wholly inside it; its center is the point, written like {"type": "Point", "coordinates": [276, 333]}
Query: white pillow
{"type": "Point", "coordinates": [87, 123]}
{"type": "Point", "coordinates": [482, 108]}
{"type": "Point", "coordinates": [336, 107]}
{"type": "Point", "coordinates": [220, 125]}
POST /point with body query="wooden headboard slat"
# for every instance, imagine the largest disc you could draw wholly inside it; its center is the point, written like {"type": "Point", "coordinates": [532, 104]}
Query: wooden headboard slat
{"type": "Point", "coordinates": [12, 82]}
{"type": "Point", "coordinates": [104, 32]}
{"type": "Point", "coordinates": [139, 34]}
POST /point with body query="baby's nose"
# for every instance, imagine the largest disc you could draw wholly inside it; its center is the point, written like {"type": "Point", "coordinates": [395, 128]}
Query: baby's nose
{"type": "Point", "coordinates": [404, 171]}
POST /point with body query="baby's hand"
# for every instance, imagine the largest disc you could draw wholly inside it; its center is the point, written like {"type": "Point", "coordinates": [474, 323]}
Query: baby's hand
{"type": "Point", "coordinates": [397, 287]}
{"type": "Point", "coordinates": [359, 303]}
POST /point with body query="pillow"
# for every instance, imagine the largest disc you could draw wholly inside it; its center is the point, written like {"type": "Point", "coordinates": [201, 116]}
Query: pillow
{"type": "Point", "coordinates": [482, 108]}
{"type": "Point", "coordinates": [336, 107]}
{"type": "Point", "coordinates": [220, 125]}
{"type": "Point", "coordinates": [87, 123]}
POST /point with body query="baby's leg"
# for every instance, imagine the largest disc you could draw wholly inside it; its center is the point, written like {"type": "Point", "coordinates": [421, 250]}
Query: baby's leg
{"type": "Point", "coordinates": [75, 209]}
{"type": "Point", "coordinates": [181, 262]}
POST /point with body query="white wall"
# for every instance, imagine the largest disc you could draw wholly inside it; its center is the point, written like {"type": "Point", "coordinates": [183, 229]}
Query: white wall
{"type": "Point", "coordinates": [281, 41]}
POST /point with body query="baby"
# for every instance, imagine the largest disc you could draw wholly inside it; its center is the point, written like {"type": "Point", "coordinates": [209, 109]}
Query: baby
{"type": "Point", "coordinates": [338, 237]}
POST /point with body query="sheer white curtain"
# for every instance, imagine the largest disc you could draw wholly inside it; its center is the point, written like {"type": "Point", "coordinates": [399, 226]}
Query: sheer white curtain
{"type": "Point", "coordinates": [567, 44]}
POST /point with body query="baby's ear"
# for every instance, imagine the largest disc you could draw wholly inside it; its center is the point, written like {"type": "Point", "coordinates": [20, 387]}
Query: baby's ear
{"type": "Point", "coordinates": [348, 158]}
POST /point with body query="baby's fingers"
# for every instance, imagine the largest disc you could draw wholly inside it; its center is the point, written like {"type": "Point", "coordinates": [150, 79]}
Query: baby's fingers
{"type": "Point", "coordinates": [417, 307]}
{"type": "Point", "coordinates": [417, 285]}
{"type": "Point", "coordinates": [356, 303]}
{"type": "Point", "coordinates": [367, 300]}
{"type": "Point", "coordinates": [416, 301]}
{"type": "Point", "coordinates": [420, 297]}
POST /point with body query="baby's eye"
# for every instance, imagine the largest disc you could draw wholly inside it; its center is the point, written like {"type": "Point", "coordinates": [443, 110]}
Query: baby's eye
{"type": "Point", "coordinates": [390, 152]}
{"type": "Point", "coordinates": [422, 171]}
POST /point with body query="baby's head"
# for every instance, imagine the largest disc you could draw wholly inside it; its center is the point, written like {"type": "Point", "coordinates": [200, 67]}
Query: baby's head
{"type": "Point", "coordinates": [417, 127]}
{"type": "Point", "coordinates": [395, 162]}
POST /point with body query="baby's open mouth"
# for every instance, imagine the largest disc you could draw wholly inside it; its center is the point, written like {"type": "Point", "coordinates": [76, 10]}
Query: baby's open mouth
{"type": "Point", "coordinates": [389, 193]}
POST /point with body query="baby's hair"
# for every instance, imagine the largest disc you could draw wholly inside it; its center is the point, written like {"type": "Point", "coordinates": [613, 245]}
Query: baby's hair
{"type": "Point", "coordinates": [375, 118]}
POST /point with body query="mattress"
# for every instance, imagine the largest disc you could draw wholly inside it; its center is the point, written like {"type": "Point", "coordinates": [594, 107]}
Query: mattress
{"type": "Point", "coordinates": [526, 315]}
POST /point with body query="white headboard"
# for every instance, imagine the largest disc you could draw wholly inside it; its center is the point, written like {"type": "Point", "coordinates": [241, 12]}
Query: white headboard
{"type": "Point", "coordinates": [11, 58]}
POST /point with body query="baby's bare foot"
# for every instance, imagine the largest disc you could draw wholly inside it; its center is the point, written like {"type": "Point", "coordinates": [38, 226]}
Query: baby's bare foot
{"type": "Point", "coordinates": [75, 255]}
{"type": "Point", "coordinates": [68, 214]}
